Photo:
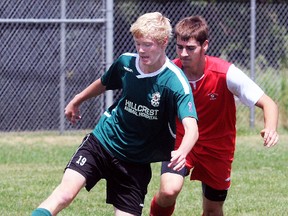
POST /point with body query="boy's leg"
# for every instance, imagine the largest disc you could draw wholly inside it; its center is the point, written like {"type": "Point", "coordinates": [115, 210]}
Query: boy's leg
{"type": "Point", "coordinates": [171, 183]}
{"type": "Point", "coordinates": [213, 200]}
{"type": "Point", "coordinates": [41, 212]}
{"type": "Point", "coordinates": [72, 182]}
{"type": "Point", "coordinates": [82, 170]}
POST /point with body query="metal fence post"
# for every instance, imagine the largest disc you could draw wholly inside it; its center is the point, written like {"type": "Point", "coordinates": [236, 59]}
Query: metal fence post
{"type": "Point", "coordinates": [252, 56]}
{"type": "Point", "coordinates": [62, 66]}
{"type": "Point", "coordinates": [109, 46]}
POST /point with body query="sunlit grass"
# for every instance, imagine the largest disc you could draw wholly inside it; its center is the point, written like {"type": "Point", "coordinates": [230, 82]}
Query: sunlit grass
{"type": "Point", "coordinates": [31, 165]}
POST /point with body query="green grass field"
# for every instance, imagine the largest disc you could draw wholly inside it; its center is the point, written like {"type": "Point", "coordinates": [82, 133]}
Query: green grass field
{"type": "Point", "coordinates": [31, 165]}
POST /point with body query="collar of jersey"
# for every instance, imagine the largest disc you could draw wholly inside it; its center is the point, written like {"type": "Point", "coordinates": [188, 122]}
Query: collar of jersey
{"type": "Point", "coordinates": [155, 73]}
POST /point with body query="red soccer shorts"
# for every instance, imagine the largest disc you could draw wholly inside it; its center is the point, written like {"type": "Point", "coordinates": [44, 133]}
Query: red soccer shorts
{"type": "Point", "coordinates": [210, 167]}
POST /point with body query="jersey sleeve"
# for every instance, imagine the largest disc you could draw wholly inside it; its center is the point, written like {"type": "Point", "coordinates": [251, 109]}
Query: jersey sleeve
{"type": "Point", "coordinates": [112, 77]}
{"type": "Point", "coordinates": [182, 93]}
{"type": "Point", "coordinates": [242, 86]}
{"type": "Point", "coordinates": [186, 107]}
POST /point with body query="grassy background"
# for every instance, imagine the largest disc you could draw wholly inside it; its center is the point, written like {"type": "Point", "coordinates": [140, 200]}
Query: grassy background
{"type": "Point", "coordinates": [31, 165]}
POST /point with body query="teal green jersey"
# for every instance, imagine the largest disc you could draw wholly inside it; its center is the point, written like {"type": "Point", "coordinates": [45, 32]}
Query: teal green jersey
{"type": "Point", "coordinates": [140, 126]}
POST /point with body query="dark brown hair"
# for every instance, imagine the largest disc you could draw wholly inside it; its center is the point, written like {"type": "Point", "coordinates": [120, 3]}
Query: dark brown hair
{"type": "Point", "coordinates": [192, 27]}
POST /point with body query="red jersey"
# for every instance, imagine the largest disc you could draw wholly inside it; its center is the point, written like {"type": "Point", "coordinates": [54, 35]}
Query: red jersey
{"type": "Point", "coordinates": [216, 110]}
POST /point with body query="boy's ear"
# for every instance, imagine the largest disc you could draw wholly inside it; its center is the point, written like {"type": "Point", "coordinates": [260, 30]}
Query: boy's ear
{"type": "Point", "coordinates": [205, 45]}
{"type": "Point", "coordinates": [166, 41]}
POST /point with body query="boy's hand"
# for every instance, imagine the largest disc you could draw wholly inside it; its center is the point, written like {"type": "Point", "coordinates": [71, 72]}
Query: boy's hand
{"type": "Point", "coordinates": [270, 137]}
{"type": "Point", "coordinates": [72, 113]}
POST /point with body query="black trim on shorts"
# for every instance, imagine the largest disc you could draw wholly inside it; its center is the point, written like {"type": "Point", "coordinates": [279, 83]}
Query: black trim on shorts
{"type": "Point", "coordinates": [165, 169]}
{"type": "Point", "coordinates": [213, 194]}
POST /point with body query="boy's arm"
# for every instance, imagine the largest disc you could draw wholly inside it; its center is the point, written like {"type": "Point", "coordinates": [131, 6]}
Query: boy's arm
{"type": "Point", "coordinates": [72, 109]}
{"type": "Point", "coordinates": [270, 111]}
{"type": "Point", "coordinates": [178, 157]}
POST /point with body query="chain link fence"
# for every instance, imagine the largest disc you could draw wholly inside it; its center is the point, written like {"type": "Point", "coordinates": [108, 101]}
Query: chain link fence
{"type": "Point", "coordinates": [37, 49]}
{"type": "Point", "coordinates": [39, 52]}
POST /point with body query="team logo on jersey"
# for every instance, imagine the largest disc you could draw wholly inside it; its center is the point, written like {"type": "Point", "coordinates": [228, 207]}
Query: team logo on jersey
{"type": "Point", "coordinates": [141, 110]}
{"type": "Point", "coordinates": [213, 96]}
{"type": "Point", "coordinates": [155, 101]}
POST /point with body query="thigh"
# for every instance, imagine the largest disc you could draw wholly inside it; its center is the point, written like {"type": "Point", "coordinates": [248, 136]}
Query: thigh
{"type": "Point", "coordinates": [213, 200]}
{"type": "Point", "coordinates": [214, 194]}
{"type": "Point", "coordinates": [127, 186]}
{"type": "Point", "coordinates": [165, 169]}
{"type": "Point", "coordinates": [171, 181]}
{"type": "Point", "coordinates": [90, 160]}
{"type": "Point", "coordinates": [72, 182]}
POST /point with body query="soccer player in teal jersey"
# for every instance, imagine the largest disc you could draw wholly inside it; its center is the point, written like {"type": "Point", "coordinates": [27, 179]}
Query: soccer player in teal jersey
{"type": "Point", "coordinates": [136, 130]}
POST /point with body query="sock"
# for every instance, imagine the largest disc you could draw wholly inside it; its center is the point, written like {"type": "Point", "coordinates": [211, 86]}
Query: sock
{"type": "Point", "coordinates": [41, 212]}
{"type": "Point", "coordinates": [156, 210]}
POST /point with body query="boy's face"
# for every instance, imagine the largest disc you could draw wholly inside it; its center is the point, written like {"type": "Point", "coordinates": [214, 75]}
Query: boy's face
{"type": "Point", "coordinates": [190, 52]}
{"type": "Point", "coordinates": [150, 52]}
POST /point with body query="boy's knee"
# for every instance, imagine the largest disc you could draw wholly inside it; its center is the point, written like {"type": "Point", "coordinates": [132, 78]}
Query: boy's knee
{"type": "Point", "coordinates": [167, 198]}
{"type": "Point", "coordinates": [169, 192]}
{"type": "Point", "coordinates": [65, 198]}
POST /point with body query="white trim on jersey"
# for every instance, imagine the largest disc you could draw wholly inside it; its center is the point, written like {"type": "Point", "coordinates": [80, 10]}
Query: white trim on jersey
{"type": "Point", "coordinates": [107, 114]}
{"type": "Point", "coordinates": [167, 64]}
{"type": "Point", "coordinates": [144, 75]}
{"type": "Point", "coordinates": [194, 82]}
{"type": "Point", "coordinates": [181, 78]}
{"type": "Point", "coordinates": [171, 132]}
{"type": "Point", "coordinates": [242, 86]}
{"type": "Point", "coordinates": [130, 54]}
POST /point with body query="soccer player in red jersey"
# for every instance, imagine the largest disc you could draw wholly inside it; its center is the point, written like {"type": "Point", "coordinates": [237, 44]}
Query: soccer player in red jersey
{"type": "Point", "coordinates": [215, 83]}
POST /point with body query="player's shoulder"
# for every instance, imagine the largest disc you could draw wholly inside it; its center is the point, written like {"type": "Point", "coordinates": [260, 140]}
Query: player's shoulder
{"type": "Point", "coordinates": [171, 65]}
{"type": "Point", "coordinates": [176, 78]}
{"type": "Point", "coordinates": [126, 58]}
{"type": "Point", "coordinates": [175, 70]}
{"type": "Point", "coordinates": [127, 55]}
{"type": "Point", "coordinates": [217, 65]}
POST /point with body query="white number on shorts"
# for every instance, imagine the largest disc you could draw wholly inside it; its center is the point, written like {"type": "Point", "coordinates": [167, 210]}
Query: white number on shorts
{"type": "Point", "coordinates": [82, 160]}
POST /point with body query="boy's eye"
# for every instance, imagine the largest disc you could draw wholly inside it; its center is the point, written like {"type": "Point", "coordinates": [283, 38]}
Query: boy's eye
{"type": "Point", "coordinates": [147, 44]}
{"type": "Point", "coordinates": [190, 48]}
{"type": "Point", "coordinates": [143, 44]}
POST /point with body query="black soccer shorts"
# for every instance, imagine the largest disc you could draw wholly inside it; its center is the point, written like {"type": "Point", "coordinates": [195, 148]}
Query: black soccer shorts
{"type": "Point", "coordinates": [126, 182]}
